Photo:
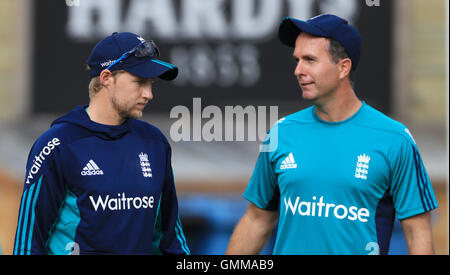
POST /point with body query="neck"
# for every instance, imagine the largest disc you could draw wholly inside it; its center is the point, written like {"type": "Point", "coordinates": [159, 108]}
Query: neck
{"type": "Point", "coordinates": [342, 105]}
{"type": "Point", "coordinates": [102, 111]}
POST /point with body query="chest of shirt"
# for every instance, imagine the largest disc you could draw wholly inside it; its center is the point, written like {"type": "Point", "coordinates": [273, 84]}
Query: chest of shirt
{"type": "Point", "coordinates": [114, 168]}
{"type": "Point", "coordinates": [341, 169]}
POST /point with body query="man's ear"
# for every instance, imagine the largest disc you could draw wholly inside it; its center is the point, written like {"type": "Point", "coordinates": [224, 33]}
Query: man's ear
{"type": "Point", "coordinates": [106, 77]}
{"type": "Point", "coordinates": [345, 67]}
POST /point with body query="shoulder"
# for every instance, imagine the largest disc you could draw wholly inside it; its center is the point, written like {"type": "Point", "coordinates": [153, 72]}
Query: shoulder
{"type": "Point", "coordinates": [45, 152]}
{"type": "Point", "coordinates": [286, 127]}
{"type": "Point", "coordinates": [148, 131]}
{"type": "Point", "coordinates": [383, 124]}
{"type": "Point", "coordinates": [301, 117]}
{"type": "Point", "coordinates": [55, 136]}
{"type": "Point", "coordinates": [289, 124]}
{"type": "Point", "coordinates": [304, 116]}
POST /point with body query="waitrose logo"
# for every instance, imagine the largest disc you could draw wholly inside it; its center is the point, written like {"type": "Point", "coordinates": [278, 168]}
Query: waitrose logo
{"type": "Point", "coordinates": [323, 209]}
{"type": "Point", "coordinates": [121, 202]}
{"type": "Point", "coordinates": [40, 158]}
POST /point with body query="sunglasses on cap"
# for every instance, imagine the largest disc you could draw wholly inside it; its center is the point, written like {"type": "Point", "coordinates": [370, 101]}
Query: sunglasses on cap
{"type": "Point", "coordinates": [144, 49]}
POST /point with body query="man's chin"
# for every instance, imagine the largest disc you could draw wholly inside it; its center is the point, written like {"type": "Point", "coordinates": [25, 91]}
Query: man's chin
{"type": "Point", "coordinates": [134, 114]}
{"type": "Point", "coordinates": [308, 96]}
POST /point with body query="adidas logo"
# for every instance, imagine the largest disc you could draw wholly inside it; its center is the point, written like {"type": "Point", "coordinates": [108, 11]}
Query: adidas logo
{"type": "Point", "coordinates": [91, 169]}
{"type": "Point", "coordinates": [288, 163]}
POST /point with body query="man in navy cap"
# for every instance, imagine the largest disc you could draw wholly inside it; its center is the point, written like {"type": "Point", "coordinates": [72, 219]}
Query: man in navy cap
{"type": "Point", "coordinates": [342, 170]}
{"type": "Point", "coordinates": [99, 181]}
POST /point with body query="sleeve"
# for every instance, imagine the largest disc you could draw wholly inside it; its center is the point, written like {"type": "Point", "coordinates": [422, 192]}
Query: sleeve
{"type": "Point", "coordinates": [43, 194]}
{"type": "Point", "coordinates": [411, 188]}
{"type": "Point", "coordinates": [262, 189]}
{"type": "Point", "coordinates": [168, 236]}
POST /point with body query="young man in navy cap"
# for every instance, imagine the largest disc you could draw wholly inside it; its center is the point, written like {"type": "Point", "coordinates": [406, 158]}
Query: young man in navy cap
{"type": "Point", "coordinates": [342, 170]}
{"type": "Point", "coordinates": [99, 181]}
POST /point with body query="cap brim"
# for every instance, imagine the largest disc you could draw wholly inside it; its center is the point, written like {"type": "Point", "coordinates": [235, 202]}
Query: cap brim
{"type": "Point", "coordinates": [154, 68]}
{"type": "Point", "coordinates": [291, 28]}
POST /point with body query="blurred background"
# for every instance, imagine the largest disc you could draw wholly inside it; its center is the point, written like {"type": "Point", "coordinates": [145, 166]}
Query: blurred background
{"type": "Point", "coordinates": [229, 55]}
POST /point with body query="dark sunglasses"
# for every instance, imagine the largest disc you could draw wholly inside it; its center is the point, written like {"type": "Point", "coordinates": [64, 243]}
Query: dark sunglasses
{"type": "Point", "coordinates": [145, 49]}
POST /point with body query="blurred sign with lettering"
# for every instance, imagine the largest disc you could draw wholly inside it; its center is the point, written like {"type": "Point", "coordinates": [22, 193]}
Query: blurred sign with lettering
{"type": "Point", "coordinates": [228, 51]}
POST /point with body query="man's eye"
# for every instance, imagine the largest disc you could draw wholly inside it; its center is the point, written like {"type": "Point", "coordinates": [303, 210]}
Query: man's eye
{"type": "Point", "coordinates": [145, 81]}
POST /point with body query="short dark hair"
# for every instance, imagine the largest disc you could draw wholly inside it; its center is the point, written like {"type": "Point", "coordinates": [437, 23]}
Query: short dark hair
{"type": "Point", "coordinates": [337, 53]}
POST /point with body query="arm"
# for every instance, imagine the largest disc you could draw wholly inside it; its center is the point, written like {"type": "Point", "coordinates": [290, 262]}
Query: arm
{"type": "Point", "coordinates": [413, 197]}
{"type": "Point", "coordinates": [168, 236]}
{"type": "Point", "coordinates": [253, 231]}
{"type": "Point", "coordinates": [417, 230]}
{"type": "Point", "coordinates": [42, 196]}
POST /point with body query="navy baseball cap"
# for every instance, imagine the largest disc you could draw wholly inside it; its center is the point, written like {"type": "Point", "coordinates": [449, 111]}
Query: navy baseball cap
{"type": "Point", "coordinates": [119, 52]}
{"type": "Point", "coordinates": [325, 25]}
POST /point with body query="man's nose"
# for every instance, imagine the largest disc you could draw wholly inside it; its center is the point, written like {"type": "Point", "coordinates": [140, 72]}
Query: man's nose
{"type": "Point", "coordinates": [299, 69]}
{"type": "Point", "coordinates": [147, 92]}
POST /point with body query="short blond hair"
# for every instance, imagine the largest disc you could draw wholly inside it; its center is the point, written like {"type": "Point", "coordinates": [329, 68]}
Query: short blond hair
{"type": "Point", "coordinates": [95, 85]}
